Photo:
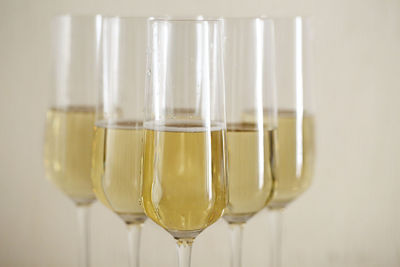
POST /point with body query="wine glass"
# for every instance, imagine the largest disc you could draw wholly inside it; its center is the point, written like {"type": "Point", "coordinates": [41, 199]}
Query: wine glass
{"type": "Point", "coordinates": [118, 142]}
{"type": "Point", "coordinates": [70, 117]}
{"type": "Point", "coordinates": [295, 157]}
{"type": "Point", "coordinates": [251, 121]}
{"type": "Point", "coordinates": [184, 183]}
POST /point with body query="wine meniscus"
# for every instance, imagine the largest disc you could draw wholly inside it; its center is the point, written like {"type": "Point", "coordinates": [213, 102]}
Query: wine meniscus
{"type": "Point", "coordinates": [117, 164]}
{"type": "Point", "coordinates": [250, 161]}
{"type": "Point", "coordinates": [184, 186]}
{"type": "Point", "coordinates": [67, 151]}
{"type": "Point", "coordinates": [295, 157]}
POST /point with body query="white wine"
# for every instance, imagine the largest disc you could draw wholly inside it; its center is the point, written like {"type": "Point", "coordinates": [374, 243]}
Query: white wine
{"type": "Point", "coordinates": [117, 164]}
{"type": "Point", "coordinates": [68, 149]}
{"type": "Point", "coordinates": [295, 157]}
{"type": "Point", "coordinates": [250, 156]}
{"type": "Point", "coordinates": [184, 184]}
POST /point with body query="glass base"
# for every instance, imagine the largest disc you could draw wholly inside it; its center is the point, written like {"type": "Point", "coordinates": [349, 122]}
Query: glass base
{"type": "Point", "coordinates": [185, 235]}
{"type": "Point", "coordinates": [277, 206]}
{"type": "Point", "coordinates": [83, 201]}
{"type": "Point", "coordinates": [132, 218]}
{"type": "Point", "coordinates": [237, 218]}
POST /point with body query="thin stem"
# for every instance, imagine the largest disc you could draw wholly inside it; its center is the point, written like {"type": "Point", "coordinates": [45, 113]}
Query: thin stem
{"type": "Point", "coordinates": [276, 226]}
{"type": "Point", "coordinates": [83, 223]}
{"type": "Point", "coordinates": [236, 244]}
{"type": "Point", "coordinates": [184, 252]}
{"type": "Point", "coordinates": [134, 233]}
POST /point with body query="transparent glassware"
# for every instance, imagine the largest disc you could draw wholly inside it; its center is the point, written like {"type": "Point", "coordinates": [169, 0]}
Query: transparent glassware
{"type": "Point", "coordinates": [184, 182]}
{"type": "Point", "coordinates": [295, 157]}
{"type": "Point", "coordinates": [71, 114]}
{"type": "Point", "coordinates": [251, 121]}
{"type": "Point", "coordinates": [118, 142]}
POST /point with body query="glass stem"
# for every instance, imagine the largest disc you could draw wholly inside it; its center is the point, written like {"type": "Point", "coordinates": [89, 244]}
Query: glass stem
{"type": "Point", "coordinates": [184, 252]}
{"type": "Point", "coordinates": [134, 234]}
{"type": "Point", "coordinates": [276, 226]}
{"type": "Point", "coordinates": [83, 224]}
{"type": "Point", "coordinates": [236, 244]}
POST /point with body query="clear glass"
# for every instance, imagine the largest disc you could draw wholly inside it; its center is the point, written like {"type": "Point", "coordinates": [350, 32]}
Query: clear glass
{"type": "Point", "coordinates": [251, 121]}
{"type": "Point", "coordinates": [295, 157]}
{"type": "Point", "coordinates": [184, 183]}
{"type": "Point", "coordinates": [118, 142]}
{"type": "Point", "coordinates": [70, 117]}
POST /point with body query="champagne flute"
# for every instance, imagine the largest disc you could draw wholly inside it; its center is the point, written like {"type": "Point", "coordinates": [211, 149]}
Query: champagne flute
{"type": "Point", "coordinates": [184, 183]}
{"type": "Point", "coordinates": [250, 93]}
{"type": "Point", "coordinates": [70, 118]}
{"type": "Point", "coordinates": [295, 157]}
{"type": "Point", "coordinates": [118, 143]}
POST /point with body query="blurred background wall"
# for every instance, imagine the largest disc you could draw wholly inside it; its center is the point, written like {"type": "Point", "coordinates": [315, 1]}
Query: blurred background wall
{"type": "Point", "coordinates": [349, 217]}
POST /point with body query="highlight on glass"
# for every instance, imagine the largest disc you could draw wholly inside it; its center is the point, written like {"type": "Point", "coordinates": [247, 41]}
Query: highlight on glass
{"type": "Point", "coordinates": [184, 183]}
{"type": "Point", "coordinates": [118, 142]}
{"type": "Point", "coordinates": [71, 114]}
{"type": "Point", "coordinates": [251, 121]}
{"type": "Point", "coordinates": [295, 157]}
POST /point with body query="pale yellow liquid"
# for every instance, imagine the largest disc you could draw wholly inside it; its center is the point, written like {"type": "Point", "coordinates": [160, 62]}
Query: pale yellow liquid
{"type": "Point", "coordinates": [68, 149]}
{"type": "Point", "coordinates": [250, 155]}
{"type": "Point", "coordinates": [184, 186]}
{"type": "Point", "coordinates": [295, 157]}
{"type": "Point", "coordinates": [117, 164]}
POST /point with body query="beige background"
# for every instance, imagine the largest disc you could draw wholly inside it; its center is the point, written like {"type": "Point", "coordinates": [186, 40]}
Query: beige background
{"type": "Point", "coordinates": [350, 216]}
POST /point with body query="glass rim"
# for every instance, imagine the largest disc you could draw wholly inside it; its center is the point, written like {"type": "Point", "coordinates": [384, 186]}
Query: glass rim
{"type": "Point", "coordinates": [77, 16]}
{"type": "Point", "coordinates": [125, 17]}
{"type": "Point", "coordinates": [195, 18]}
{"type": "Point", "coordinates": [287, 17]}
{"type": "Point", "coordinates": [246, 19]}
{"type": "Point", "coordinates": [266, 16]}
